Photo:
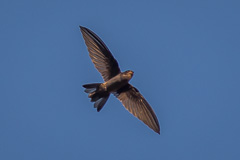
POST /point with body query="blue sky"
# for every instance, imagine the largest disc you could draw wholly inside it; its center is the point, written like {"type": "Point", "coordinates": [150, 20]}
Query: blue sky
{"type": "Point", "coordinates": [186, 59]}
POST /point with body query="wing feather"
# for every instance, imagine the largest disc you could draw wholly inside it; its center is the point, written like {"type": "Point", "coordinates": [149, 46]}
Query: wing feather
{"type": "Point", "coordinates": [100, 55]}
{"type": "Point", "coordinates": [136, 104]}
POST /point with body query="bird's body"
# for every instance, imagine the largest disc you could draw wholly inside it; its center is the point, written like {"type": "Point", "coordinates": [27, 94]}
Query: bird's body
{"type": "Point", "coordinates": [115, 82]}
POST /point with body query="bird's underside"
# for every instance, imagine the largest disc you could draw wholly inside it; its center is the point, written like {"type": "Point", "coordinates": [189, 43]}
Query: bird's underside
{"type": "Point", "coordinates": [116, 82]}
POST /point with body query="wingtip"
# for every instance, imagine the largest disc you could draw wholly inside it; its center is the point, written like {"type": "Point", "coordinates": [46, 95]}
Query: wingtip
{"type": "Point", "coordinates": [157, 131]}
{"type": "Point", "coordinates": [81, 27]}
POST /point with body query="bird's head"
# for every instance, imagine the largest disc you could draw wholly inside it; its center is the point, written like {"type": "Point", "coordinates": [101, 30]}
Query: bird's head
{"type": "Point", "coordinates": [128, 74]}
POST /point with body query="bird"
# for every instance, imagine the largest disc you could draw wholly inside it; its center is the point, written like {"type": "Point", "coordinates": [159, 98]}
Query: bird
{"type": "Point", "coordinates": [115, 82]}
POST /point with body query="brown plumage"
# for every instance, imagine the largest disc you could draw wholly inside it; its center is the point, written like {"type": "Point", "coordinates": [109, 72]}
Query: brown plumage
{"type": "Point", "coordinates": [116, 82]}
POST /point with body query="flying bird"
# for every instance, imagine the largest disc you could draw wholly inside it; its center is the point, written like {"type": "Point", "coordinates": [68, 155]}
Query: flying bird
{"type": "Point", "coordinates": [115, 82]}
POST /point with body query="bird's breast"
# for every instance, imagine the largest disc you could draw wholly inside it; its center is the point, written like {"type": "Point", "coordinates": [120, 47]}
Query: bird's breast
{"type": "Point", "coordinates": [115, 83]}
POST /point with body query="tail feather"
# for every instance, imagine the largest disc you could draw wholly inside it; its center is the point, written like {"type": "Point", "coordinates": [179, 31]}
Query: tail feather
{"type": "Point", "coordinates": [100, 103]}
{"type": "Point", "coordinates": [89, 90]}
{"type": "Point", "coordinates": [94, 96]}
{"type": "Point", "coordinates": [91, 87]}
{"type": "Point", "coordinates": [97, 97]}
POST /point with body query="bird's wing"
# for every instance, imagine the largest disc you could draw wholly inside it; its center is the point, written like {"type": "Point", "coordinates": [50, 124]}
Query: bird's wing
{"type": "Point", "coordinates": [136, 104]}
{"type": "Point", "coordinates": [100, 55]}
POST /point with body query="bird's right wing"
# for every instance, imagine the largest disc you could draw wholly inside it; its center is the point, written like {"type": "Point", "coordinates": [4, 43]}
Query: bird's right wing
{"type": "Point", "coordinates": [100, 55]}
{"type": "Point", "coordinates": [136, 104]}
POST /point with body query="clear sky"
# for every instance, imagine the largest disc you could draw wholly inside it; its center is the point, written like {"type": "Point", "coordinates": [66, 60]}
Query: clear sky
{"type": "Point", "coordinates": [186, 60]}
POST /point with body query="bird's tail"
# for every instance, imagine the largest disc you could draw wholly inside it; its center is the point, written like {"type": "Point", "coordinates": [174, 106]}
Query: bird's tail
{"type": "Point", "coordinates": [98, 97]}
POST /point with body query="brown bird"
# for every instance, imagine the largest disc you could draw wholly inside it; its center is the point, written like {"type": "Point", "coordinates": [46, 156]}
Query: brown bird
{"type": "Point", "coordinates": [115, 82]}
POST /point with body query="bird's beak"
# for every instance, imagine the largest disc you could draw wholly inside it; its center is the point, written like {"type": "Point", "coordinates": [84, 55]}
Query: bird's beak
{"type": "Point", "coordinates": [131, 73]}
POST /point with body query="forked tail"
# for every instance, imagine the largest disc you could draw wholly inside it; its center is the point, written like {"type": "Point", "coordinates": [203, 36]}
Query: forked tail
{"type": "Point", "coordinates": [99, 98]}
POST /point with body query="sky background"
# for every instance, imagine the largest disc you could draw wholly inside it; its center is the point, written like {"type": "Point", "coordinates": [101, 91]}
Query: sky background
{"type": "Point", "coordinates": [186, 59]}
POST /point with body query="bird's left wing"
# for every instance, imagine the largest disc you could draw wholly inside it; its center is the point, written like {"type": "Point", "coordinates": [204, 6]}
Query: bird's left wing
{"type": "Point", "coordinates": [100, 55]}
{"type": "Point", "coordinates": [136, 104]}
